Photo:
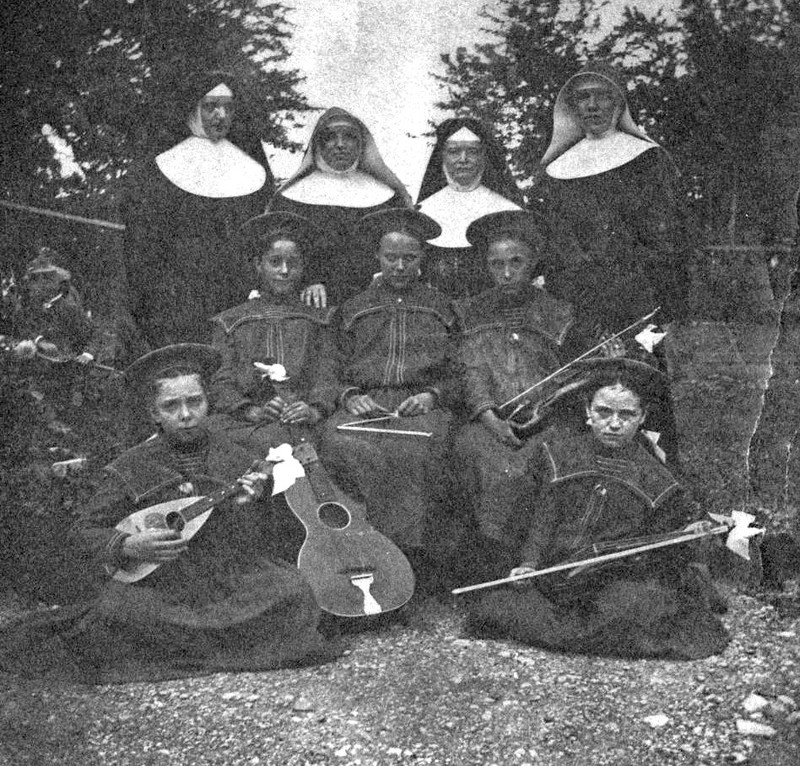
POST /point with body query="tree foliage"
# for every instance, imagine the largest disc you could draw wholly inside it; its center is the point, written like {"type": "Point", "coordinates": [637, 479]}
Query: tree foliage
{"type": "Point", "coordinates": [98, 72]}
{"type": "Point", "coordinates": [702, 80]}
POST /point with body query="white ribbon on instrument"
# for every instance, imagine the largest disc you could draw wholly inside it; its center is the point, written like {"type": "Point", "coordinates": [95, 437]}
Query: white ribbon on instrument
{"type": "Point", "coordinates": [287, 470]}
{"type": "Point", "coordinates": [648, 339]}
{"type": "Point", "coordinates": [738, 539]}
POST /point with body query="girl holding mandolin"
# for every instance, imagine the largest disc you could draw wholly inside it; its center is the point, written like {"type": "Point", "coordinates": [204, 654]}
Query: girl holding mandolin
{"type": "Point", "coordinates": [222, 601]}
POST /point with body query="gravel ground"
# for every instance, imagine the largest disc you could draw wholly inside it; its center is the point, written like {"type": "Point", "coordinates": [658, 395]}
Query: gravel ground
{"type": "Point", "coordinates": [419, 692]}
{"type": "Point", "coordinates": [422, 693]}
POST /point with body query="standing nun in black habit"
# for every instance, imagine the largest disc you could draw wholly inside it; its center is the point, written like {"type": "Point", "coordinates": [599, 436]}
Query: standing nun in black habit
{"type": "Point", "coordinates": [467, 178]}
{"type": "Point", "coordinates": [342, 177]}
{"type": "Point", "coordinates": [183, 205]}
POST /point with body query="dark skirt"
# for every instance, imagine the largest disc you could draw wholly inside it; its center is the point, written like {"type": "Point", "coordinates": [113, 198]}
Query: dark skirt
{"type": "Point", "coordinates": [403, 480]}
{"type": "Point", "coordinates": [260, 618]}
{"type": "Point", "coordinates": [617, 616]}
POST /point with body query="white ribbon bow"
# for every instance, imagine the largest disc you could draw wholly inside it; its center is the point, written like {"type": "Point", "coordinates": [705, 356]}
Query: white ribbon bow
{"type": "Point", "coordinates": [275, 372]}
{"type": "Point", "coordinates": [738, 539]}
{"type": "Point", "coordinates": [287, 468]}
{"type": "Point", "coordinates": [648, 339]}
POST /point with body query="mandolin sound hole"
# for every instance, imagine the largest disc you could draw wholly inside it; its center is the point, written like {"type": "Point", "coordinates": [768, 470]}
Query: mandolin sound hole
{"type": "Point", "coordinates": [175, 521]}
{"type": "Point", "coordinates": [333, 515]}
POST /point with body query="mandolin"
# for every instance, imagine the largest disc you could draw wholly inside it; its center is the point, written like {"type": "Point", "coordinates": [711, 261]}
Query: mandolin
{"type": "Point", "coordinates": [353, 570]}
{"type": "Point", "coordinates": [185, 515]}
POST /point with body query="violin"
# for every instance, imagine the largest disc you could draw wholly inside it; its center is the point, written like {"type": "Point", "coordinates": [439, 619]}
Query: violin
{"type": "Point", "coordinates": [526, 411]}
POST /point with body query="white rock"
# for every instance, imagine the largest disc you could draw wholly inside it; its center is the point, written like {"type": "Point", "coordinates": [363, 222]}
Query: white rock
{"type": "Point", "coordinates": [787, 700]}
{"type": "Point", "coordinates": [303, 705]}
{"type": "Point", "coordinates": [793, 717]}
{"type": "Point", "coordinates": [657, 721]}
{"type": "Point", "coordinates": [754, 729]}
{"type": "Point", "coordinates": [754, 703]}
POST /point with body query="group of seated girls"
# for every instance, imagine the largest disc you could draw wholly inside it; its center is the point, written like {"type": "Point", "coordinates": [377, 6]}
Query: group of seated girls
{"type": "Point", "coordinates": [406, 396]}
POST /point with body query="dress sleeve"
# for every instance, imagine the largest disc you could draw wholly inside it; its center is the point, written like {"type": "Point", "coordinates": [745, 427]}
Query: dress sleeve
{"type": "Point", "coordinates": [544, 518]}
{"type": "Point", "coordinates": [107, 507]}
{"type": "Point", "coordinates": [324, 387]}
{"type": "Point", "coordinates": [476, 376]}
{"type": "Point", "coordinates": [226, 393]}
{"type": "Point", "coordinates": [658, 219]}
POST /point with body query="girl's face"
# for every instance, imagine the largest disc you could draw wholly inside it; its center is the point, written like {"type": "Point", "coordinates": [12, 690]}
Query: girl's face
{"type": "Point", "coordinates": [615, 415]}
{"type": "Point", "coordinates": [281, 267]}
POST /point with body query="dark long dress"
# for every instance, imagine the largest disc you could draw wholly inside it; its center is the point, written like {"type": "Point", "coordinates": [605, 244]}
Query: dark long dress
{"type": "Point", "coordinates": [621, 242]}
{"type": "Point", "coordinates": [271, 332]}
{"type": "Point", "coordinates": [508, 344]}
{"type": "Point", "coordinates": [181, 266]}
{"type": "Point", "coordinates": [393, 345]}
{"type": "Point", "coordinates": [228, 603]}
{"type": "Point", "coordinates": [622, 251]}
{"type": "Point", "coordinates": [651, 606]}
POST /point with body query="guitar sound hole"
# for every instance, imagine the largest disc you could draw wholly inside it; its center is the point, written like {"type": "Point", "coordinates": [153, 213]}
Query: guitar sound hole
{"type": "Point", "coordinates": [333, 515]}
{"type": "Point", "coordinates": [175, 521]}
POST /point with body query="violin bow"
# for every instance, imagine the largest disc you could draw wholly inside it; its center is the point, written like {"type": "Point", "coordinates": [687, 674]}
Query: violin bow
{"type": "Point", "coordinates": [737, 526]}
{"type": "Point", "coordinates": [61, 358]}
{"type": "Point", "coordinates": [514, 399]}
{"type": "Point", "coordinates": [358, 425]}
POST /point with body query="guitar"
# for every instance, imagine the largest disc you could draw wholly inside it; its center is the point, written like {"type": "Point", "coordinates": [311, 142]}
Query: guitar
{"type": "Point", "coordinates": [185, 515]}
{"type": "Point", "coordinates": [353, 570]}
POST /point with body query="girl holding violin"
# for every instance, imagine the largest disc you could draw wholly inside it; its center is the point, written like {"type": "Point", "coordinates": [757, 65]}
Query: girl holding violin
{"type": "Point", "coordinates": [514, 335]}
{"type": "Point", "coordinates": [593, 488]}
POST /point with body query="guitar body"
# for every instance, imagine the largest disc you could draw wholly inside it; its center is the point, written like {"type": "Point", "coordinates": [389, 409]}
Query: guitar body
{"type": "Point", "coordinates": [168, 515]}
{"type": "Point", "coordinates": [353, 569]}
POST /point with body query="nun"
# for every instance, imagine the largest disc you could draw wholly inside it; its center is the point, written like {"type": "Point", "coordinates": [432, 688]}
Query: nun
{"type": "Point", "coordinates": [466, 178]}
{"type": "Point", "coordinates": [181, 207]}
{"type": "Point", "coordinates": [610, 193]}
{"type": "Point", "coordinates": [342, 178]}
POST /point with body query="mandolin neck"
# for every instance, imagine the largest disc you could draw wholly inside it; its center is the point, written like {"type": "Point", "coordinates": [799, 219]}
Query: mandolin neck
{"type": "Point", "coordinates": [207, 502]}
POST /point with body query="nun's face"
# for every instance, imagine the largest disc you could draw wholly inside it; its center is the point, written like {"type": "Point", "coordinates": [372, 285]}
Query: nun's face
{"type": "Point", "coordinates": [596, 103]}
{"type": "Point", "coordinates": [400, 256]}
{"type": "Point", "coordinates": [463, 161]}
{"type": "Point", "coordinates": [339, 144]}
{"type": "Point", "coordinates": [216, 115]}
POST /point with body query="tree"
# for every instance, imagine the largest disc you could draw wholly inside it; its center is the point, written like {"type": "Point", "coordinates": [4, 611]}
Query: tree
{"type": "Point", "coordinates": [512, 82]}
{"type": "Point", "coordinates": [94, 71]}
{"type": "Point", "coordinates": [702, 81]}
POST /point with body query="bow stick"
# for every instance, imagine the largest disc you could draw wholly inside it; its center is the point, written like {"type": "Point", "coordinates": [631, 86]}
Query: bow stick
{"type": "Point", "coordinates": [357, 425]}
{"type": "Point", "coordinates": [737, 525]}
{"type": "Point", "coordinates": [62, 216]}
{"type": "Point", "coordinates": [552, 375]}
{"type": "Point", "coordinates": [61, 358]}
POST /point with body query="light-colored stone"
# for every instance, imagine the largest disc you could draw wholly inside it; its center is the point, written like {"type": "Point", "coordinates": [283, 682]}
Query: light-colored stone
{"type": "Point", "coordinates": [754, 728]}
{"type": "Point", "coordinates": [754, 702]}
{"type": "Point", "coordinates": [656, 721]}
{"type": "Point", "coordinates": [303, 705]}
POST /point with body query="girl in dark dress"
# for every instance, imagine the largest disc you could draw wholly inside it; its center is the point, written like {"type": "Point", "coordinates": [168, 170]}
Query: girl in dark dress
{"type": "Point", "coordinates": [592, 488]}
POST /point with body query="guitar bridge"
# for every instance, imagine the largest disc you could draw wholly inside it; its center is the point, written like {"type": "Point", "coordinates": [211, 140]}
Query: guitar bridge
{"type": "Point", "coordinates": [363, 582]}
